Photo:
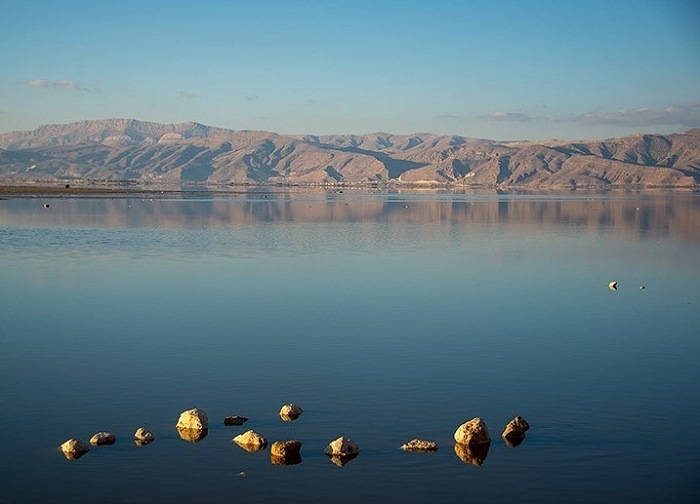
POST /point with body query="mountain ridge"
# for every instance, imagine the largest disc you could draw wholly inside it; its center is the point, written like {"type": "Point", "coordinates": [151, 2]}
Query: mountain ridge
{"type": "Point", "coordinates": [190, 152]}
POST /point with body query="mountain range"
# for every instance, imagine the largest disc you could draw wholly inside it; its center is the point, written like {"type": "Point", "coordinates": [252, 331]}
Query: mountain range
{"type": "Point", "coordinates": [146, 152]}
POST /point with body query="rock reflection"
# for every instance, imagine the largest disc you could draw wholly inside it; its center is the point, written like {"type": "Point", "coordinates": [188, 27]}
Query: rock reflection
{"type": "Point", "coordinates": [474, 454]}
{"type": "Point", "coordinates": [192, 435]}
{"type": "Point", "coordinates": [290, 459]}
{"type": "Point", "coordinates": [341, 460]}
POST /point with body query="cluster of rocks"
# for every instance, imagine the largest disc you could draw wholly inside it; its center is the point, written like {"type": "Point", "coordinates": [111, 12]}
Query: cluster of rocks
{"type": "Point", "coordinates": [472, 439]}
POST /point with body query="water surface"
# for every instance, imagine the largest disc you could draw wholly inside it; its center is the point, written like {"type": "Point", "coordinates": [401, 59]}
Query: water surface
{"type": "Point", "coordinates": [385, 316]}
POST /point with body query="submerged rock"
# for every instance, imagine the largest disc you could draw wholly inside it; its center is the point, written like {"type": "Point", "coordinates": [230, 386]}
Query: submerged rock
{"type": "Point", "coordinates": [419, 445]}
{"type": "Point", "coordinates": [471, 454]}
{"type": "Point", "coordinates": [514, 433]}
{"type": "Point", "coordinates": [143, 436]}
{"type": "Point", "coordinates": [290, 412]}
{"type": "Point", "coordinates": [193, 419]}
{"type": "Point", "coordinates": [73, 449]}
{"type": "Point", "coordinates": [235, 420]}
{"type": "Point", "coordinates": [612, 286]}
{"type": "Point", "coordinates": [103, 438]}
{"type": "Point", "coordinates": [251, 441]}
{"type": "Point", "coordinates": [473, 432]}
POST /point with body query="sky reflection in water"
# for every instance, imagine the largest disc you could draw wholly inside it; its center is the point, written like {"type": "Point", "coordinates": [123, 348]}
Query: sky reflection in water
{"type": "Point", "coordinates": [386, 317]}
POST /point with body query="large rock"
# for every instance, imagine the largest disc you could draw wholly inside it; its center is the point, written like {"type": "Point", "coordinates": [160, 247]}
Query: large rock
{"type": "Point", "coordinates": [143, 436]}
{"type": "Point", "coordinates": [103, 438]}
{"type": "Point", "coordinates": [419, 445]}
{"type": "Point", "coordinates": [473, 432]}
{"type": "Point", "coordinates": [251, 441]}
{"type": "Point", "coordinates": [73, 449]}
{"type": "Point", "coordinates": [514, 433]}
{"type": "Point", "coordinates": [193, 419]}
{"type": "Point", "coordinates": [290, 412]}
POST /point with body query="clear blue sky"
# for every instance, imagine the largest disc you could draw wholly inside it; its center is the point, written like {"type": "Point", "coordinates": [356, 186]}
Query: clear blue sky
{"type": "Point", "coordinates": [505, 69]}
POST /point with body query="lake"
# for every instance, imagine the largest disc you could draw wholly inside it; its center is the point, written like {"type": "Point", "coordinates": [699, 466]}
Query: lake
{"type": "Point", "coordinates": [385, 315]}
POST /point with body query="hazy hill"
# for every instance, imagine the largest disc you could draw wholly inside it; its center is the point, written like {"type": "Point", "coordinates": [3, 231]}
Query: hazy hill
{"type": "Point", "coordinates": [127, 149]}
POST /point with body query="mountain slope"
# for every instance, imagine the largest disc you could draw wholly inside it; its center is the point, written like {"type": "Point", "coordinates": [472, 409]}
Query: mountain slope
{"type": "Point", "coordinates": [127, 149]}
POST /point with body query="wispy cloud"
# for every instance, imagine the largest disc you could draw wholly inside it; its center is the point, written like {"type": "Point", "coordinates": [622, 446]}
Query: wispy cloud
{"type": "Point", "coordinates": [184, 95]}
{"type": "Point", "coordinates": [449, 117]}
{"type": "Point", "coordinates": [58, 84]}
{"type": "Point", "coordinates": [252, 97]}
{"type": "Point", "coordinates": [506, 116]}
{"type": "Point", "coordinates": [683, 114]}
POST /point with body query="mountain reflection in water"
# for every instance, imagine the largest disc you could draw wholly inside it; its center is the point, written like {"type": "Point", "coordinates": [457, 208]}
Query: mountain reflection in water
{"type": "Point", "coordinates": [634, 216]}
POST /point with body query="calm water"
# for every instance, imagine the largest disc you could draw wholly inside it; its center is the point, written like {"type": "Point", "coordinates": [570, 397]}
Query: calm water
{"type": "Point", "coordinates": [385, 316]}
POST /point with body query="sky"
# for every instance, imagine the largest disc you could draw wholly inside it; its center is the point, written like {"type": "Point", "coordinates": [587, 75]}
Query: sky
{"type": "Point", "coordinates": [498, 69]}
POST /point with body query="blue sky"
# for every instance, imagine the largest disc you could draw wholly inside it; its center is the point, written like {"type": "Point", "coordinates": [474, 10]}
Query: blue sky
{"type": "Point", "coordinates": [504, 69]}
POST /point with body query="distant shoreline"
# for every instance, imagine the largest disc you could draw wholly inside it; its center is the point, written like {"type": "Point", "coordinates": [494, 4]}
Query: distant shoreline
{"type": "Point", "coordinates": [9, 189]}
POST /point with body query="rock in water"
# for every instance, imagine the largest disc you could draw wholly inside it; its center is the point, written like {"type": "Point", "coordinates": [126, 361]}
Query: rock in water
{"type": "Point", "coordinates": [473, 432]}
{"type": "Point", "coordinates": [285, 452]}
{"type": "Point", "coordinates": [419, 445]}
{"type": "Point", "coordinates": [342, 447]}
{"type": "Point", "coordinates": [73, 449]}
{"type": "Point", "coordinates": [193, 419]}
{"type": "Point", "coordinates": [103, 438]}
{"type": "Point", "coordinates": [251, 441]}
{"type": "Point", "coordinates": [143, 436]}
{"type": "Point", "coordinates": [235, 420]}
{"type": "Point", "coordinates": [514, 433]}
{"type": "Point", "coordinates": [290, 412]}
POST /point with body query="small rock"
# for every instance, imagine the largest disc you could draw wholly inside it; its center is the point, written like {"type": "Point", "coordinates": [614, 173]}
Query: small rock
{"type": "Point", "coordinates": [290, 412]}
{"type": "Point", "coordinates": [471, 454]}
{"type": "Point", "coordinates": [515, 430]}
{"type": "Point", "coordinates": [343, 447]}
{"type": "Point", "coordinates": [612, 286]}
{"type": "Point", "coordinates": [251, 441]}
{"type": "Point", "coordinates": [143, 436]}
{"type": "Point", "coordinates": [73, 449]}
{"type": "Point", "coordinates": [103, 438]}
{"type": "Point", "coordinates": [235, 420]}
{"type": "Point", "coordinates": [419, 445]}
{"type": "Point", "coordinates": [285, 452]}
{"type": "Point", "coordinates": [193, 419]}
{"type": "Point", "coordinates": [473, 432]}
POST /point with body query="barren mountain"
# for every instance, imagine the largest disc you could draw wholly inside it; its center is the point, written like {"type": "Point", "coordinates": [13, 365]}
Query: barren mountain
{"type": "Point", "coordinates": [130, 150]}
